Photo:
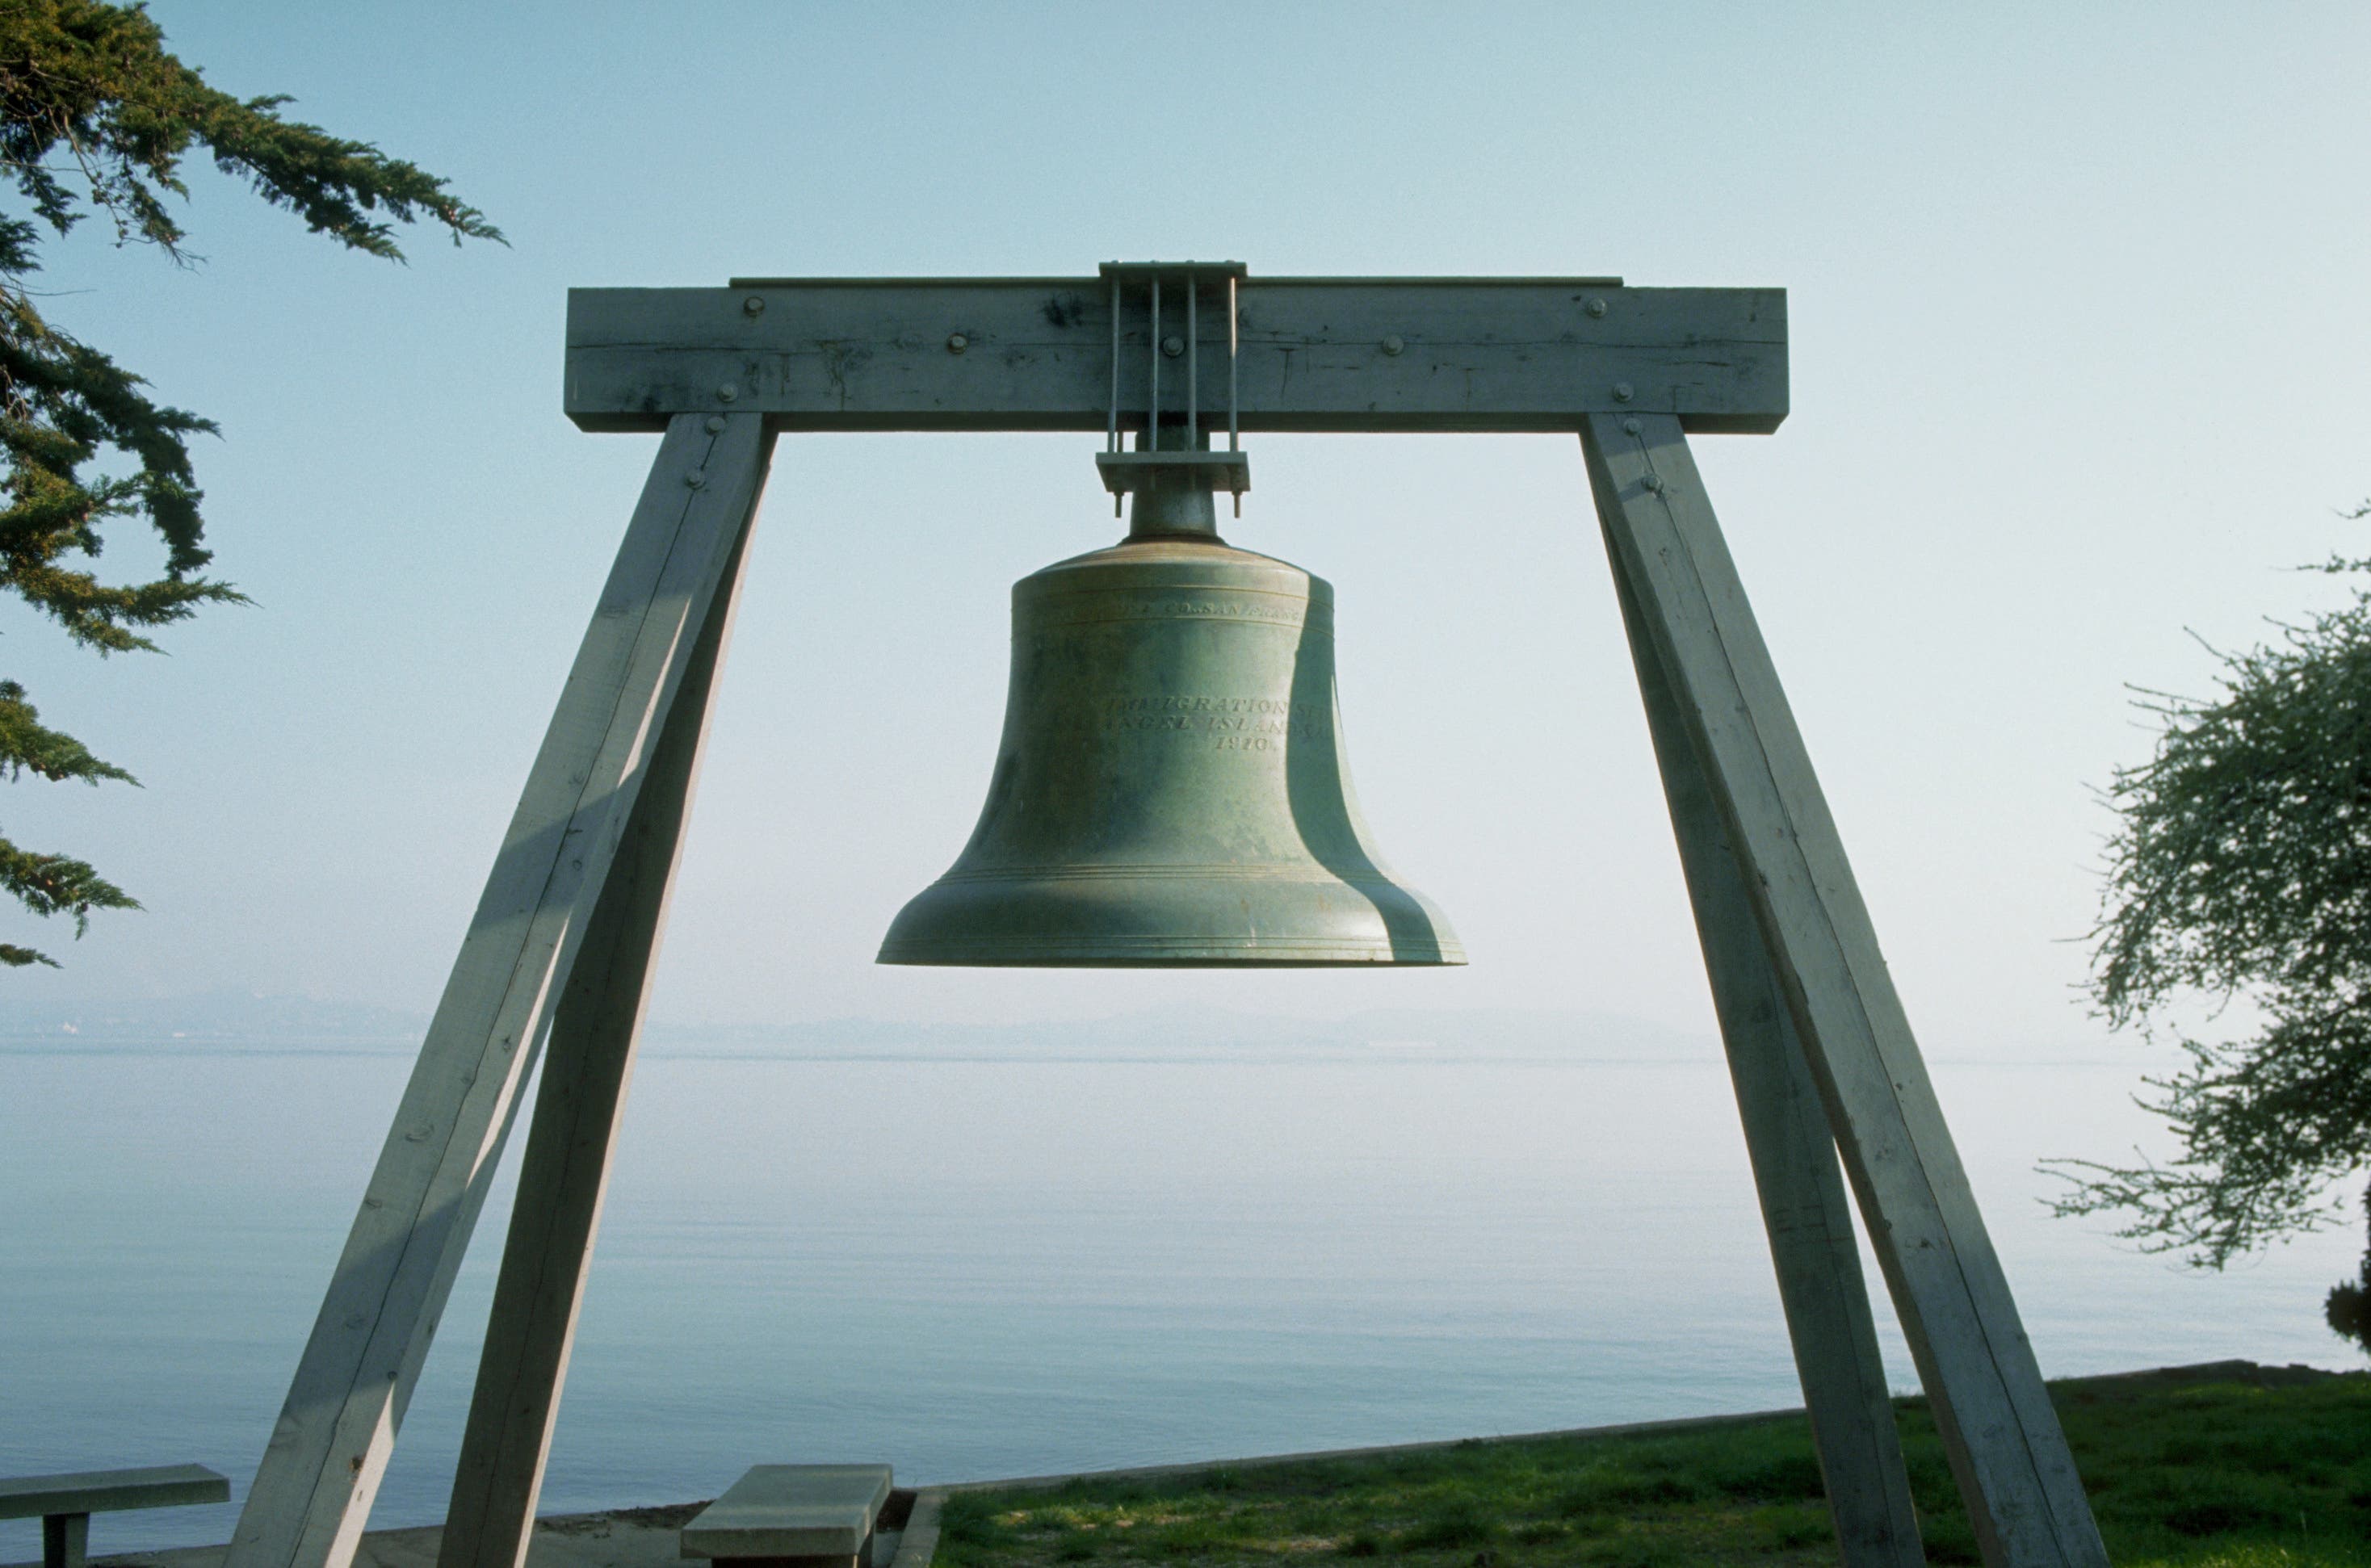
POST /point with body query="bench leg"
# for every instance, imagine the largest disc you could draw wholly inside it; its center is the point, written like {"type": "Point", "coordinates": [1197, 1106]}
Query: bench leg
{"type": "Point", "coordinates": [65, 1540]}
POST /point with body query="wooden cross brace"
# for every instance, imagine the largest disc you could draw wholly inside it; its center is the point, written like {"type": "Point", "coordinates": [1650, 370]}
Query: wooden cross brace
{"type": "Point", "coordinates": [564, 939]}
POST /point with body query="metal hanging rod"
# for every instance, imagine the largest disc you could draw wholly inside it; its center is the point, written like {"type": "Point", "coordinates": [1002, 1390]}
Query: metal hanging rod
{"type": "Point", "coordinates": [1180, 463]}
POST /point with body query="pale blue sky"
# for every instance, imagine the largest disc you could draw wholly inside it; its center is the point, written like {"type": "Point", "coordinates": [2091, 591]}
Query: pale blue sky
{"type": "Point", "coordinates": [2080, 361]}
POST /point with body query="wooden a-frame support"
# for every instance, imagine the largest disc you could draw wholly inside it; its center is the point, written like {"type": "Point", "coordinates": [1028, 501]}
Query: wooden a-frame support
{"type": "Point", "coordinates": [566, 934]}
{"type": "Point", "coordinates": [602, 811]}
{"type": "Point", "coordinates": [1805, 1002]}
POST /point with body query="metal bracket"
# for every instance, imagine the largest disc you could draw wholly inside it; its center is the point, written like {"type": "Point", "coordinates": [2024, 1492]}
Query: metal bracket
{"type": "Point", "coordinates": [1125, 472]}
{"type": "Point", "coordinates": [1186, 465]}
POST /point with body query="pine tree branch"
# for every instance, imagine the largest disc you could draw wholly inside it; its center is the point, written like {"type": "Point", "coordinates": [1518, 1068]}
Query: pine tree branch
{"type": "Point", "coordinates": [58, 885]}
{"type": "Point", "coordinates": [96, 115]}
{"type": "Point", "coordinates": [48, 754]}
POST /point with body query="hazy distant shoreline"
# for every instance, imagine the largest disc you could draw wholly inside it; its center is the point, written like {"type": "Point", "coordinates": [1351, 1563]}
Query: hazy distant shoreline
{"type": "Point", "coordinates": [251, 1023]}
{"type": "Point", "coordinates": [234, 1023]}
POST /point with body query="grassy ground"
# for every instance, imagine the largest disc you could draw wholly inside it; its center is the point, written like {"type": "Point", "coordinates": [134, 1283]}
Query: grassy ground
{"type": "Point", "coordinates": [2242, 1469]}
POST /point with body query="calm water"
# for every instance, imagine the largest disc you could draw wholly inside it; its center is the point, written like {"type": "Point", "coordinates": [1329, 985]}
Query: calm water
{"type": "Point", "coordinates": [977, 1269]}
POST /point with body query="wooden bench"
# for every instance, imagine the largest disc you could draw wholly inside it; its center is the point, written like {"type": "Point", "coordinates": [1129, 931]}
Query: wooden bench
{"type": "Point", "coordinates": [65, 1503]}
{"type": "Point", "coordinates": [793, 1516]}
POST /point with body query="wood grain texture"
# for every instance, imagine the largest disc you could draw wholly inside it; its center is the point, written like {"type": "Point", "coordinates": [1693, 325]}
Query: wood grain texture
{"type": "Point", "coordinates": [1474, 354]}
{"type": "Point", "coordinates": [330, 1447]}
{"type": "Point", "coordinates": [1804, 1210]}
{"type": "Point", "coordinates": [588, 1063]}
{"type": "Point", "coordinates": [2006, 1445]}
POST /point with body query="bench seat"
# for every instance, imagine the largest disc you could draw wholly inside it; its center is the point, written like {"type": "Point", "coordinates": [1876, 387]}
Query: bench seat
{"type": "Point", "coordinates": [66, 1501]}
{"type": "Point", "coordinates": [793, 1516]}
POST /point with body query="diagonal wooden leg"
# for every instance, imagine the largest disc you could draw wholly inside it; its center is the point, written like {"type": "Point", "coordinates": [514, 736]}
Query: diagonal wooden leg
{"type": "Point", "coordinates": [1803, 1204]}
{"type": "Point", "coordinates": [565, 1172]}
{"type": "Point", "coordinates": [2007, 1451]}
{"type": "Point", "coordinates": [330, 1447]}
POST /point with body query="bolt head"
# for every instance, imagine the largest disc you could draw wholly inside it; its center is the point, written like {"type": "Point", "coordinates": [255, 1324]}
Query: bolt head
{"type": "Point", "coordinates": [755, 305]}
{"type": "Point", "coordinates": [957, 342]}
{"type": "Point", "coordinates": [1173, 345]}
{"type": "Point", "coordinates": [696, 478]}
{"type": "Point", "coordinates": [1631, 427]}
{"type": "Point", "coordinates": [716, 424]}
{"type": "Point", "coordinates": [1595, 307]}
{"type": "Point", "coordinates": [1395, 345]}
{"type": "Point", "coordinates": [1653, 482]}
{"type": "Point", "coordinates": [727, 392]}
{"type": "Point", "coordinates": [1622, 392]}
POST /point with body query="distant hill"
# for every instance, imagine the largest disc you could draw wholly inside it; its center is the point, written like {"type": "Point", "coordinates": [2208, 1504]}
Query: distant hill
{"type": "Point", "coordinates": [244, 1021]}
{"type": "Point", "coordinates": [1162, 1035]}
{"type": "Point", "coordinates": [213, 1018]}
{"type": "Point", "coordinates": [239, 1020]}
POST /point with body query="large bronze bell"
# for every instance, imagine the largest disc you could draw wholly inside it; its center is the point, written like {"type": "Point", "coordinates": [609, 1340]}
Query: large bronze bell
{"type": "Point", "coordinates": [1171, 789]}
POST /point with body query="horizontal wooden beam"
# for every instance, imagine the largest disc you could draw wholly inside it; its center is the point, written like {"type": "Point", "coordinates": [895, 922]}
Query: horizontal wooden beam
{"type": "Point", "coordinates": [1352, 354]}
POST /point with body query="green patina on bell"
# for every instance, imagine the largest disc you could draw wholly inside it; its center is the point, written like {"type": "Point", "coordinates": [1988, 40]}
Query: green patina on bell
{"type": "Point", "coordinates": [1171, 789]}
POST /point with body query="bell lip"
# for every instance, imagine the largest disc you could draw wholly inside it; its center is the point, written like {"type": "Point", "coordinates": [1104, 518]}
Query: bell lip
{"type": "Point", "coordinates": [1047, 928]}
{"type": "Point", "coordinates": [1059, 917]}
{"type": "Point", "coordinates": [1092, 963]}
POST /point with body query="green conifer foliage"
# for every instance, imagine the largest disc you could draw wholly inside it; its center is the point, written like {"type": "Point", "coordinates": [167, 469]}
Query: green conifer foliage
{"type": "Point", "coordinates": [95, 118]}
